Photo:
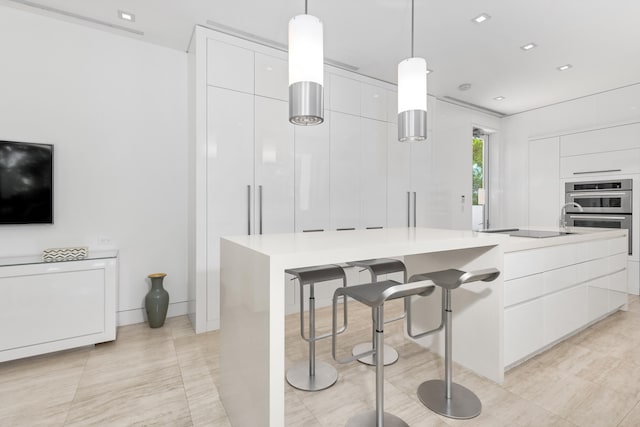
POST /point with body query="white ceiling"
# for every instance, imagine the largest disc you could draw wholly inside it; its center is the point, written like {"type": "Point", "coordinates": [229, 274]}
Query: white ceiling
{"type": "Point", "coordinates": [600, 38]}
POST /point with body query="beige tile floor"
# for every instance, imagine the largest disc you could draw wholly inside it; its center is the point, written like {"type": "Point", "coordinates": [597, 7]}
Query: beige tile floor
{"type": "Point", "coordinates": [167, 376]}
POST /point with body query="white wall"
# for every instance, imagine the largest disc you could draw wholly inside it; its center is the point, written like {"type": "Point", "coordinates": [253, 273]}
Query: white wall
{"type": "Point", "coordinates": [451, 162]}
{"type": "Point", "coordinates": [116, 111]}
{"type": "Point", "coordinates": [613, 107]}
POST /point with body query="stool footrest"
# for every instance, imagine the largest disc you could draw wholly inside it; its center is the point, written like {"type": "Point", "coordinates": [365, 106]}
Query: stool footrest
{"type": "Point", "coordinates": [360, 352]}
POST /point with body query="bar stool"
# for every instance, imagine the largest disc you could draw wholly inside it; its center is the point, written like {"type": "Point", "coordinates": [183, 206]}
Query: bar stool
{"type": "Point", "coordinates": [312, 375]}
{"type": "Point", "coordinates": [376, 268]}
{"type": "Point", "coordinates": [446, 397]}
{"type": "Point", "coordinates": [374, 295]}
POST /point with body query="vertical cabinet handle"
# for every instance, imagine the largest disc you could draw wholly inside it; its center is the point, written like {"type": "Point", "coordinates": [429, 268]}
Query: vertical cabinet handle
{"type": "Point", "coordinates": [408, 209]}
{"type": "Point", "coordinates": [415, 209]}
{"type": "Point", "coordinates": [260, 212]}
{"type": "Point", "coordinates": [248, 210]}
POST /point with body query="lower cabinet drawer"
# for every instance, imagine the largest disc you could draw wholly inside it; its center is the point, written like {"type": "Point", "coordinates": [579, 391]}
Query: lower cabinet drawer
{"type": "Point", "coordinates": [564, 312]}
{"type": "Point", "coordinates": [617, 290]}
{"type": "Point", "coordinates": [523, 330]}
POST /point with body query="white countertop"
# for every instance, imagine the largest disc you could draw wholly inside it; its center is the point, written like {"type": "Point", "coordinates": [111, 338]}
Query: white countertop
{"type": "Point", "coordinates": [407, 241]}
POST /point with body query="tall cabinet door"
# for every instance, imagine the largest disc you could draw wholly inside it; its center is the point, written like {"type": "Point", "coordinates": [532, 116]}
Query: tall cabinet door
{"type": "Point", "coordinates": [422, 191]}
{"type": "Point", "coordinates": [544, 182]}
{"type": "Point", "coordinates": [399, 196]}
{"type": "Point", "coordinates": [345, 170]}
{"type": "Point", "coordinates": [274, 167]}
{"type": "Point", "coordinates": [312, 197]}
{"type": "Point", "coordinates": [373, 173]}
{"type": "Point", "coordinates": [427, 198]}
{"type": "Point", "coordinates": [229, 178]}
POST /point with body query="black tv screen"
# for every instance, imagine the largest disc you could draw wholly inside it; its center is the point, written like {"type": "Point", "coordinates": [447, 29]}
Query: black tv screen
{"type": "Point", "coordinates": [26, 183]}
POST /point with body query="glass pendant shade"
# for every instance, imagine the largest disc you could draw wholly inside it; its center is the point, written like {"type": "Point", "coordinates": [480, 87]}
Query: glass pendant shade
{"type": "Point", "coordinates": [306, 71]}
{"type": "Point", "coordinates": [412, 100]}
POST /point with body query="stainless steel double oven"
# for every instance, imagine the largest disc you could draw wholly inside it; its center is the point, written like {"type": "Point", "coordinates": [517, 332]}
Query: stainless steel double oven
{"type": "Point", "coordinates": [605, 204]}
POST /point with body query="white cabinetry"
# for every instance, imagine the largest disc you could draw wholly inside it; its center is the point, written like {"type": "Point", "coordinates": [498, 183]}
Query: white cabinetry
{"type": "Point", "coordinates": [345, 95]}
{"type": "Point", "coordinates": [49, 307]}
{"type": "Point", "coordinates": [610, 151]}
{"type": "Point", "coordinates": [373, 102]}
{"type": "Point", "coordinates": [544, 182]}
{"type": "Point", "coordinates": [274, 167]}
{"type": "Point", "coordinates": [358, 155]}
{"type": "Point", "coordinates": [409, 168]}
{"type": "Point", "coordinates": [271, 77]}
{"type": "Point", "coordinates": [252, 171]}
{"type": "Point", "coordinates": [230, 180]}
{"type": "Point", "coordinates": [601, 164]}
{"type": "Point", "coordinates": [312, 176]}
{"type": "Point", "coordinates": [345, 170]}
{"type": "Point", "coordinates": [249, 151]}
{"type": "Point", "coordinates": [230, 66]}
{"type": "Point", "coordinates": [550, 293]}
{"type": "Point", "coordinates": [597, 141]}
{"type": "Point", "coordinates": [373, 174]}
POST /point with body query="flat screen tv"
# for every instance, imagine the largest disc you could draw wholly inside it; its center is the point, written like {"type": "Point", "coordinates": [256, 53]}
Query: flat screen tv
{"type": "Point", "coordinates": [26, 183]}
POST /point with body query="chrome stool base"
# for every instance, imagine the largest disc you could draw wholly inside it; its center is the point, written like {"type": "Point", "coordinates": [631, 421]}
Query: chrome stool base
{"type": "Point", "coordinates": [368, 419]}
{"type": "Point", "coordinates": [462, 405]}
{"type": "Point", "coordinates": [298, 376]}
{"type": "Point", "coordinates": [390, 354]}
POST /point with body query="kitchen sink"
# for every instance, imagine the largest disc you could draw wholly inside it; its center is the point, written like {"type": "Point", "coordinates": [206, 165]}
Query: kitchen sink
{"type": "Point", "coordinates": [536, 234]}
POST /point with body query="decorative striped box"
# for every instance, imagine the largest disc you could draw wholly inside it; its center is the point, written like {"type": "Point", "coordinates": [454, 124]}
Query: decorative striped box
{"type": "Point", "coordinates": [64, 254]}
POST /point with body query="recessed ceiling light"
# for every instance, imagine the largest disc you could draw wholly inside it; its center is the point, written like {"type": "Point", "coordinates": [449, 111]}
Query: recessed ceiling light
{"type": "Point", "coordinates": [464, 86]}
{"type": "Point", "coordinates": [499, 98]}
{"type": "Point", "coordinates": [429, 71]}
{"type": "Point", "coordinates": [528, 46]}
{"type": "Point", "coordinates": [565, 67]}
{"type": "Point", "coordinates": [126, 16]}
{"type": "Point", "coordinates": [481, 18]}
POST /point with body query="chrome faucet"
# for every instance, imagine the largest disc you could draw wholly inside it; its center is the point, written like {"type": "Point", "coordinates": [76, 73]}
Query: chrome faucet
{"type": "Point", "coordinates": [563, 211]}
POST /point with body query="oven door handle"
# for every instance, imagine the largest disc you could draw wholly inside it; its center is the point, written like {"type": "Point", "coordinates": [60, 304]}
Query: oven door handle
{"type": "Point", "coordinates": [603, 218]}
{"type": "Point", "coordinates": [586, 194]}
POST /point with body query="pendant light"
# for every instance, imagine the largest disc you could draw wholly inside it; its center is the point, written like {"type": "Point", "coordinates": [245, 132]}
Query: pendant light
{"type": "Point", "coordinates": [412, 96]}
{"type": "Point", "coordinates": [306, 70]}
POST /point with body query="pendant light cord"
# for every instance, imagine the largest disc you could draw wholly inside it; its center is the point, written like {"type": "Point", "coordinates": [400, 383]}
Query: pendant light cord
{"type": "Point", "coordinates": [305, 7]}
{"type": "Point", "coordinates": [412, 17]}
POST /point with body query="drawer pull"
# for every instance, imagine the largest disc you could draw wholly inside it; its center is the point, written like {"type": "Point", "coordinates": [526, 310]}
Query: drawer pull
{"type": "Point", "coordinates": [602, 171]}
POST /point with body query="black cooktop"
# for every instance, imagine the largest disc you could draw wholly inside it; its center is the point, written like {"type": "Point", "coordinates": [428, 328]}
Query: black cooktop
{"type": "Point", "coordinates": [536, 234]}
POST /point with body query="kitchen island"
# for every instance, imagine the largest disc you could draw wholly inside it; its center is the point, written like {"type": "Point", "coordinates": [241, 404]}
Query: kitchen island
{"type": "Point", "coordinates": [252, 297]}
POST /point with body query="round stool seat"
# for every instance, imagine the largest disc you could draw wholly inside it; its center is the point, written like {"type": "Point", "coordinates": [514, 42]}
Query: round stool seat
{"type": "Point", "coordinates": [380, 266]}
{"type": "Point", "coordinates": [317, 273]}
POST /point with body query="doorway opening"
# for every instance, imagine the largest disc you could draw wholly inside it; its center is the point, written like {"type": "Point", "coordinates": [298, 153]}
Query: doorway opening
{"type": "Point", "coordinates": [479, 173]}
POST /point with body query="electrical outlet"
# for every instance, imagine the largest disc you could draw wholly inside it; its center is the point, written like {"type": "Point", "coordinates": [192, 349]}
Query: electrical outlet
{"type": "Point", "coordinates": [104, 241]}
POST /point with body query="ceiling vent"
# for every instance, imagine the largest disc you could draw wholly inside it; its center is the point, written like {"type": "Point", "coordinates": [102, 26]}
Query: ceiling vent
{"type": "Point", "coordinates": [474, 106]}
{"type": "Point", "coordinates": [269, 43]}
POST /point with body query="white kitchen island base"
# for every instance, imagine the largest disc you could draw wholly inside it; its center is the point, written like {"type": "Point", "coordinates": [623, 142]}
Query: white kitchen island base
{"type": "Point", "coordinates": [252, 358]}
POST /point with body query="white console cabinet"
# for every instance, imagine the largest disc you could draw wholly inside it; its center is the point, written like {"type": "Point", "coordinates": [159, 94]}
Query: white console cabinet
{"type": "Point", "coordinates": [48, 307]}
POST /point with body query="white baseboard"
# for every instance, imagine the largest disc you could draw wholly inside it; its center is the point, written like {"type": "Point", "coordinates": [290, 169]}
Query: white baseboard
{"type": "Point", "coordinates": [138, 315]}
